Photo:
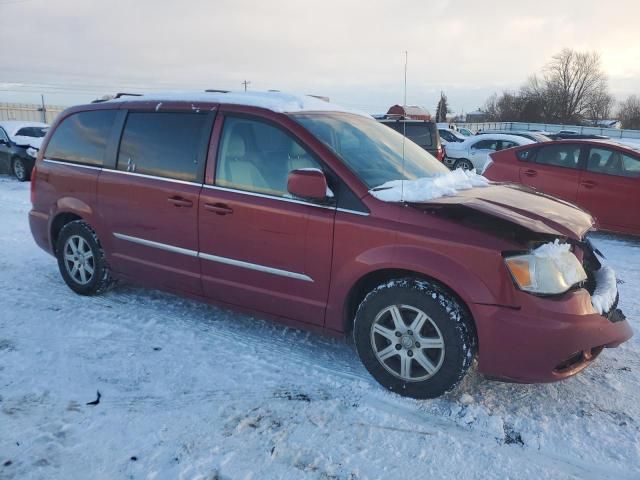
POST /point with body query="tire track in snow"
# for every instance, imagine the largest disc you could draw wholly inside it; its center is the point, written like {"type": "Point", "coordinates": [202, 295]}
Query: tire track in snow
{"type": "Point", "coordinates": [267, 339]}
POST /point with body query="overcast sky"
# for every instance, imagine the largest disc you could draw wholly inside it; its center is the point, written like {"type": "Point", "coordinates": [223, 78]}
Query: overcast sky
{"type": "Point", "coordinates": [351, 51]}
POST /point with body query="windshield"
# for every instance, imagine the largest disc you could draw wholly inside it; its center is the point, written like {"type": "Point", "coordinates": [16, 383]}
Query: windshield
{"type": "Point", "coordinates": [37, 132]}
{"type": "Point", "coordinates": [371, 150]}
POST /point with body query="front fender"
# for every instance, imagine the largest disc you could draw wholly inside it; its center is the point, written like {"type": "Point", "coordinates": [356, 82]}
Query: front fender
{"type": "Point", "coordinates": [483, 280]}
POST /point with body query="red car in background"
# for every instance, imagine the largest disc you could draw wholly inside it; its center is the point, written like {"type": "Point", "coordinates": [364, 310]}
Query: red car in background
{"type": "Point", "coordinates": [602, 177]}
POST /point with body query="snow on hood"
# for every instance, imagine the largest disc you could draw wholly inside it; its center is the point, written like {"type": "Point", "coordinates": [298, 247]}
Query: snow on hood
{"type": "Point", "coordinates": [275, 101]}
{"type": "Point", "coordinates": [27, 141]}
{"type": "Point", "coordinates": [606, 290]}
{"type": "Point", "coordinates": [428, 188]}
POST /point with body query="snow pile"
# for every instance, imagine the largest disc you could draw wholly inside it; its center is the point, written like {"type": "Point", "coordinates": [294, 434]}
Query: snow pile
{"type": "Point", "coordinates": [275, 101]}
{"type": "Point", "coordinates": [606, 289]}
{"type": "Point", "coordinates": [564, 260]}
{"type": "Point", "coordinates": [429, 188]}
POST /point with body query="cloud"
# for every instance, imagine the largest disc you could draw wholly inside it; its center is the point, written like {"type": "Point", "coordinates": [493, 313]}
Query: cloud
{"type": "Point", "coordinates": [351, 50]}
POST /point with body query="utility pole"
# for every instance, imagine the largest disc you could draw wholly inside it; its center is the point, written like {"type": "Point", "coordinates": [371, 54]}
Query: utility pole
{"type": "Point", "coordinates": [246, 84]}
{"type": "Point", "coordinates": [43, 109]}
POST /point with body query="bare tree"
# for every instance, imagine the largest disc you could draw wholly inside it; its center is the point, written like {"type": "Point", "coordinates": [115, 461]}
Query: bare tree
{"type": "Point", "coordinates": [574, 82]}
{"type": "Point", "coordinates": [601, 107]}
{"type": "Point", "coordinates": [629, 112]}
{"type": "Point", "coordinates": [571, 89]}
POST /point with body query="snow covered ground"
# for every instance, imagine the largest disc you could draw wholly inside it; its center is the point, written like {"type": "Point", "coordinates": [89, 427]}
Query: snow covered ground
{"type": "Point", "coordinates": [193, 391]}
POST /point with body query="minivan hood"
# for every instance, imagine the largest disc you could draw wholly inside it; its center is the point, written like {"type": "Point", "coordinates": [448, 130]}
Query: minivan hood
{"type": "Point", "coordinates": [522, 206]}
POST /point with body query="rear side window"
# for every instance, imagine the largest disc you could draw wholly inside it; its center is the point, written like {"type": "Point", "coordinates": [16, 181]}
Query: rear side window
{"type": "Point", "coordinates": [525, 155]}
{"type": "Point", "coordinates": [485, 145]}
{"type": "Point", "coordinates": [420, 134]}
{"type": "Point", "coordinates": [507, 144]}
{"type": "Point", "coordinates": [613, 162]}
{"type": "Point", "coordinates": [564, 155]}
{"type": "Point", "coordinates": [82, 137]}
{"type": "Point", "coordinates": [163, 145]}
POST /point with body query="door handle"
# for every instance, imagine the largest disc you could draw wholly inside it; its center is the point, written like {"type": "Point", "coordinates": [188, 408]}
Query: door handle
{"type": "Point", "coordinates": [530, 173]}
{"type": "Point", "coordinates": [588, 183]}
{"type": "Point", "coordinates": [180, 202]}
{"type": "Point", "coordinates": [218, 208]}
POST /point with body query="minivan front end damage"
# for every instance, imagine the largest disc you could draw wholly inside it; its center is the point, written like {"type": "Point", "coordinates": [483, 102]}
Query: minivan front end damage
{"type": "Point", "coordinates": [563, 309]}
{"type": "Point", "coordinates": [552, 334]}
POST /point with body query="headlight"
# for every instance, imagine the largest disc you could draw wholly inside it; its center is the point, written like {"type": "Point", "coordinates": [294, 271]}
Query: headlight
{"type": "Point", "coordinates": [546, 271]}
{"type": "Point", "coordinates": [32, 152]}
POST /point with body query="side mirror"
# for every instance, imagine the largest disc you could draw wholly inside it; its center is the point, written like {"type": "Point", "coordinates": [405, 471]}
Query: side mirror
{"type": "Point", "coordinates": [307, 183]}
{"type": "Point", "coordinates": [3, 142]}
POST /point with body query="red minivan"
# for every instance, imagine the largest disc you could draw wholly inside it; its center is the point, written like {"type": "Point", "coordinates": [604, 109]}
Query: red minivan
{"type": "Point", "coordinates": [284, 206]}
{"type": "Point", "coordinates": [603, 177]}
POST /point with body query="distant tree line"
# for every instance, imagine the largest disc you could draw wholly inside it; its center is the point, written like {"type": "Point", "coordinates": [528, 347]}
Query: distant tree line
{"type": "Point", "coordinates": [571, 89]}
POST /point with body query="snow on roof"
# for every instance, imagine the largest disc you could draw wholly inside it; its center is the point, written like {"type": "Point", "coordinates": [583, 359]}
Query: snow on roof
{"type": "Point", "coordinates": [491, 136]}
{"type": "Point", "coordinates": [12, 126]}
{"type": "Point", "coordinates": [275, 101]}
{"type": "Point", "coordinates": [429, 188]}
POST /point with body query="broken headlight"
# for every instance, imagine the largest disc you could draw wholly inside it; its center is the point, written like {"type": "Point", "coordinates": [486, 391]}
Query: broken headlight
{"type": "Point", "coordinates": [546, 273]}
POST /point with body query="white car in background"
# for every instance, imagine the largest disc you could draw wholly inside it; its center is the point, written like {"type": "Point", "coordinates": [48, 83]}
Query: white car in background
{"type": "Point", "coordinates": [473, 153]}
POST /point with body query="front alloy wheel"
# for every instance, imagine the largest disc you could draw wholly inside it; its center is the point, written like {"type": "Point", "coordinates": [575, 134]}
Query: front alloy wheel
{"type": "Point", "coordinates": [414, 337]}
{"type": "Point", "coordinates": [407, 343]}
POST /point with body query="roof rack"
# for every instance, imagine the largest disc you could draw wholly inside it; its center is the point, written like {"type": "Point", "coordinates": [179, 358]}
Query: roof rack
{"type": "Point", "coordinates": [215, 90]}
{"type": "Point", "coordinates": [125, 94]}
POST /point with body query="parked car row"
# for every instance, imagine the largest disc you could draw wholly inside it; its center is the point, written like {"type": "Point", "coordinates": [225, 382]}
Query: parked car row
{"type": "Point", "coordinates": [19, 145]}
{"type": "Point", "coordinates": [293, 208]}
{"type": "Point", "coordinates": [600, 176]}
{"type": "Point", "coordinates": [603, 177]}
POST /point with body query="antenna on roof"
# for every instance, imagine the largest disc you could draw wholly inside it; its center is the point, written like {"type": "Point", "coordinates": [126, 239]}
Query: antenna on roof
{"type": "Point", "coordinates": [404, 124]}
{"type": "Point", "coordinates": [246, 83]}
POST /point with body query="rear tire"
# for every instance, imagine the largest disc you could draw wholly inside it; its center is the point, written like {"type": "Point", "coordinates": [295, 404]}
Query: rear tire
{"type": "Point", "coordinates": [414, 338]}
{"type": "Point", "coordinates": [20, 170]}
{"type": "Point", "coordinates": [81, 259]}
{"type": "Point", "coordinates": [464, 164]}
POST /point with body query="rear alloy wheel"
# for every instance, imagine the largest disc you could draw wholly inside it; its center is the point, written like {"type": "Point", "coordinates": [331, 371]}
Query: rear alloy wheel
{"type": "Point", "coordinates": [464, 164]}
{"type": "Point", "coordinates": [414, 338]}
{"type": "Point", "coordinates": [81, 259]}
{"type": "Point", "coordinates": [19, 169]}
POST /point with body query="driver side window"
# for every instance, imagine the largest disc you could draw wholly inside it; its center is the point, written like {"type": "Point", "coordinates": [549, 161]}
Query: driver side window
{"type": "Point", "coordinates": [3, 136]}
{"type": "Point", "coordinates": [255, 156]}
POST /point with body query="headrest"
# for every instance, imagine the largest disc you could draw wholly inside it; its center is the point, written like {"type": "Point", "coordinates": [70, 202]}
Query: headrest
{"type": "Point", "coordinates": [236, 147]}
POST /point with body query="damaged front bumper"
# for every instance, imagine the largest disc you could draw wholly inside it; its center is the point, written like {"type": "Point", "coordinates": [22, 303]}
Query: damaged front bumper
{"type": "Point", "coordinates": [545, 339]}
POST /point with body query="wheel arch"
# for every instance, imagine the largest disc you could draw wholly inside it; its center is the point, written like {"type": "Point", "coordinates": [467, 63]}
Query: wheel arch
{"type": "Point", "coordinates": [59, 221]}
{"type": "Point", "coordinates": [372, 279]}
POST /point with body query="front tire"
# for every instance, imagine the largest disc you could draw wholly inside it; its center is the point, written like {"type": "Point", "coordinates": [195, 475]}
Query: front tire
{"type": "Point", "coordinates": [414, 338]}
{"type": "Point", "coordinates": [20, 170]}
{"type": "Point", "coordinates": [81, 259]}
